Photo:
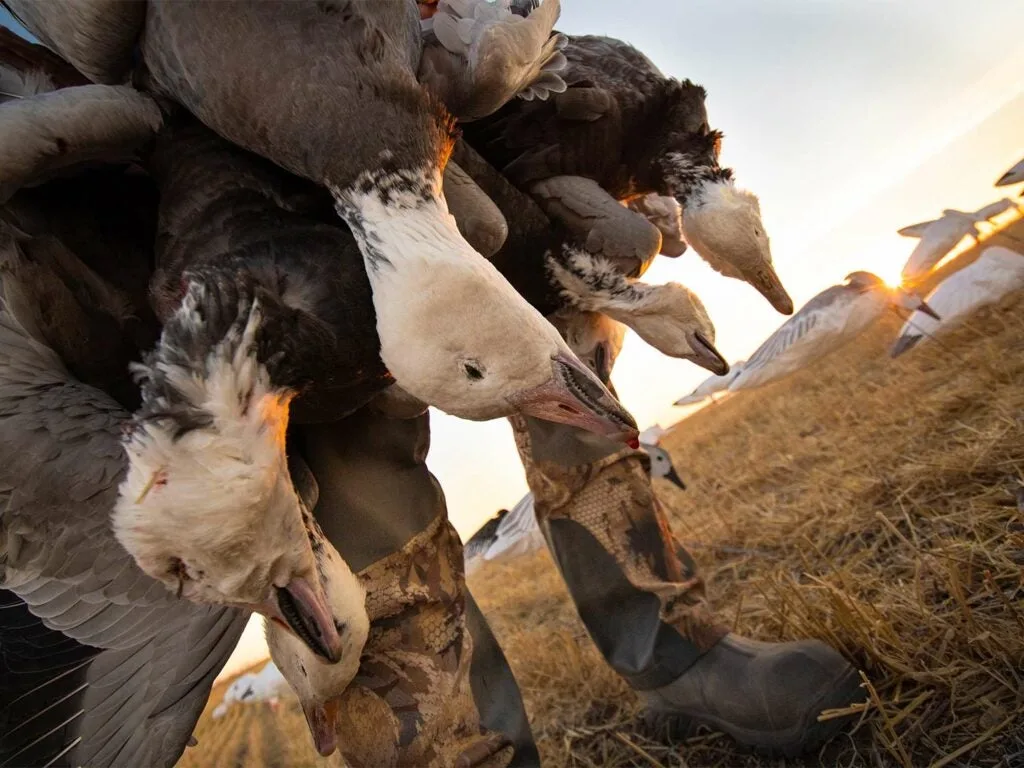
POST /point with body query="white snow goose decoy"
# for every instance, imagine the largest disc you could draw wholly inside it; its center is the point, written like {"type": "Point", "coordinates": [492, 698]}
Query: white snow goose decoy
{"type": "Point", "coordinates": [452, 331]}
{"type": "Point", "coordinates": [939, 237]}
{"type": "Point", "coordinates": [543, 262]}
{"type": "Point", "coordinates": [712, 385]}
{"type": "Point", "coordinates": [577, 154]}
{"type": "Point", "coordinates": [997, 272]}
{"type": "Point", "coordinates": [831, 319]}
{"type": "Point", "coordinates": [515, 532]}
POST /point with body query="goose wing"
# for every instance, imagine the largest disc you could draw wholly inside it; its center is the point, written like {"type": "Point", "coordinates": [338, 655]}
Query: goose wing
{"type": "Point", "coordinates": [53, 133]}
{"type": "Point", "coordinates": [793, 340]}
{"type": "Point", "coordinates": [96, 36]}
{"type": "Point", "coordinates": [129, 667]}
{"type": "Point", "coordinates": [480, 54]}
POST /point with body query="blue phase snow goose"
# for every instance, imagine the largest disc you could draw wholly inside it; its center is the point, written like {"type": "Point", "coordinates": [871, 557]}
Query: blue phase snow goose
{"type": "Point", "coordinates": [577, 153]}
{"type": "Point", "coordinates": [341, 106]}
{"type": "Point", "coordinates": [542, 260]}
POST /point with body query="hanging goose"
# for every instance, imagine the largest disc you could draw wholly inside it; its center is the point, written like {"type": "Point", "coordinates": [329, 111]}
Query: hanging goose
{"type": "Point", "coordinates": [997, 272]}
{"type": "Point", "coordinates": [360, 124]}
{"type": "Point", "coordinates": [543, 263]}
{"type": "Point", "coordinates": [831, 319]}
{"type": "Point", "coordinates": [577, 154]}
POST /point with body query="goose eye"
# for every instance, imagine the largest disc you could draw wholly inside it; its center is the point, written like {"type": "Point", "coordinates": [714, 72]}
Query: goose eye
{"type": "Point", "coordinates": [473, 370]}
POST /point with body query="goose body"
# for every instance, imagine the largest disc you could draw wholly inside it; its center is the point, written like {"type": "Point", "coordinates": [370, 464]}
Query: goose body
{"type": "Point", "coordinates": [831, 319]}
{"type": "Point", "coordinates": [576, 153]}
{"type": "Point", "coordinates": [360, 124]}
{"type": "Point", "coordinates": [997, 272]}
{"type": "Point", "coordinates": [252, 687]}
{"type": "Point", "coordinates": [515, 532]}
{"type": "Point", "coordinates": [112, 669]}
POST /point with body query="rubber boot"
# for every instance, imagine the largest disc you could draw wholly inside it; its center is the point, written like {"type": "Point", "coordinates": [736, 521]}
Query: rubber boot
{"type": "Point", "coordinates": [641, 599]}
{"type": "Point", "coordinates": [430, 655]}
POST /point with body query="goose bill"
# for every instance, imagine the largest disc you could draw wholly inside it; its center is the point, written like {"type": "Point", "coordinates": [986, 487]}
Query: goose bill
{"type": "Point", "coordinates": [303, 610]}
{"type": "Point", "coordinates": [768, 284]}
{"type": "Point", "coordinates": [673, 477]}
{"type": "Point", "coordinates": [922, 307]}
{"type": "Point", "coordinates": [706, 356]}
{"type": "Point", "coordinates": [323, 725]}
{"type": "Point", "coordinates": [575, 396]}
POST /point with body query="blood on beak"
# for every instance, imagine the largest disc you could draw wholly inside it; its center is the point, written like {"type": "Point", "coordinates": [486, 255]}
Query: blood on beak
{"type": "Point", "coordinates": [575, 396]}
{"type": "Point", "coordinates": [322, 720]}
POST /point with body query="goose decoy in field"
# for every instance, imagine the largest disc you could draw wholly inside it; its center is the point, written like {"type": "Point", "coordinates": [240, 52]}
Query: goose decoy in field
{"type": "Point", "coordinates": [997, 272]}
{"type": "Point", "coordinates": [1013, 176]}
{"type": "Point", "coordinates": [711, 385]}
{"type": "Point", "coordinates": [577, 154]}
{"type": "Point", "coordinates": [317, 684]}
{"type": "Point", "coordinates": [542, 261]}
{"type": "Point", "coordinates": [516, 532]}
{"type": "Point", "coordinates": [478, 54]}
{"type": "Point", "coordinates": [360, 124]}
{"type": "Point", "coordinates": [252, 687]}
{"type": "Point", "coordinates": [831, 319]}
{"type": "Point", "coordinates": [939, 237]}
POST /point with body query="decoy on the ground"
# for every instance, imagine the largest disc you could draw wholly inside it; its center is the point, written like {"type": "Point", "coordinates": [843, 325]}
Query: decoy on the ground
{"type": "Point", "coordinates": [252, 687]}
{"type": "Point", "coordinates": [360, 124]}
{"type": "Point", "coordinates": [516, 532]}
{"type": "Point", "coordinates": [542, 261]}
{"type": "Point", "coordinates": [577, 155]}
{"type": "Point", "coordinates": [939, 237]}
{"type": "Point", "coordinates": [712, 385]}
{"type": "Point", "coordinates": [1013, 176]}
{"type": "Point", "coordinates": [831, 319]}
{"type": "Point", "coordinates": [997, 272]}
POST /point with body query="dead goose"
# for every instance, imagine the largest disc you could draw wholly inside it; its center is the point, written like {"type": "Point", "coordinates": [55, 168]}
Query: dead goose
{"type": "Point", "coordinates": [576, 153]}
{"type": "Point", "coordinates": [342, 107]}
{"type": "Point", "coordinates": [542, 261]}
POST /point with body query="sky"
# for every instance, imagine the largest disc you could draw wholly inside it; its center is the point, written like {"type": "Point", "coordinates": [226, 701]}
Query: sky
{"type": "Point", "coordinates": [848, 118]}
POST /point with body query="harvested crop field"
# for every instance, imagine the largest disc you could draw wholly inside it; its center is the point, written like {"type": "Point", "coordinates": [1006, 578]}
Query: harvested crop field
{"type": "Point", "coordinates": [870, 502]}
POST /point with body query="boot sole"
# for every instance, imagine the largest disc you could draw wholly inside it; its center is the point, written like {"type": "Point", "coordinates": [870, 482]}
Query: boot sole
{"type": "Point", "coordinates": [791, 743]}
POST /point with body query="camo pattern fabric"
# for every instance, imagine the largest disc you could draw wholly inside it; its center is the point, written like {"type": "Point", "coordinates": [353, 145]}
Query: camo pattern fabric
{"type": "Point", "coordinates": [614, 500]}
{"type": "Point", "coordinates": [411, 702]}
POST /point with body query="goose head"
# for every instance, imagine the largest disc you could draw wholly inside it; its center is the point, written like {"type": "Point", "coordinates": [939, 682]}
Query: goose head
{"type": "Point", "coordinates": [207, 506]}
{"type": "Point", "coordinates": [594, 338]}
{"type": "Point", "coordinates": [453, 332]}
{"type": "Point", "coordinates": [671, 318]}
{"type": "Point", "coordinates": [662, 466]}
{"type": "Point", "coordinates": [317, 684]}
{"type": "Point", "coordinates": [723, 224]}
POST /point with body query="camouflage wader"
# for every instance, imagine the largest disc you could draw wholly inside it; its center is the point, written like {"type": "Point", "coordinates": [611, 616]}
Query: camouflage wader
{"type": "Point", "coordinates": [432, 677]}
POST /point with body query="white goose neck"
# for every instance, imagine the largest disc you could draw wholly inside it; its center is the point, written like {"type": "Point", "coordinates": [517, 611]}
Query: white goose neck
{"type": "Point", "coordinates": [400, 220]}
